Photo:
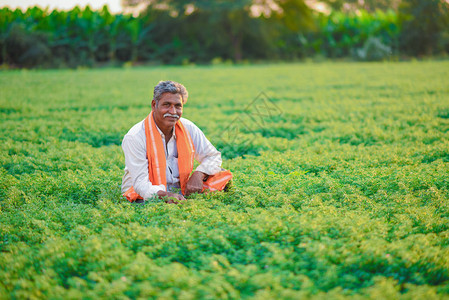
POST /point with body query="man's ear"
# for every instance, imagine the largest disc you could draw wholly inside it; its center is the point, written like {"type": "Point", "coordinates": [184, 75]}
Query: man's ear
{"type": "Point", "coordinates": [153, 104]}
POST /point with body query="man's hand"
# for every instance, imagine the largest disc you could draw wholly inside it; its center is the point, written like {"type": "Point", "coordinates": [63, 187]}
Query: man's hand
{"type": "Point", "coordinates": [195, 183]}
{"type": "Point", "coordinates": [170, 197]}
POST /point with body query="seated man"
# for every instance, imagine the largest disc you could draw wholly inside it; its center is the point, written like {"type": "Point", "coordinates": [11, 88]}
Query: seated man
{"type": "Point", "coordinates": [159, 152]}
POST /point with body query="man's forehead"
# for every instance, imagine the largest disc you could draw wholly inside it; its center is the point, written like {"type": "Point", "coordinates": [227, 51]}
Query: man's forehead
{"type": "Point", "coordinates": [169, 97]}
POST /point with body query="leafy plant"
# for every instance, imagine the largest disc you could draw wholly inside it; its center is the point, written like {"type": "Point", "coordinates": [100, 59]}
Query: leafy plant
{"type": "Point", "coordinates": [339, 192]}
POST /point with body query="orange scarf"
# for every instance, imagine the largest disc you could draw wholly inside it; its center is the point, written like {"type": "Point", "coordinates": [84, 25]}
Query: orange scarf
{"type": "Point", "coordinates": [186, 151]}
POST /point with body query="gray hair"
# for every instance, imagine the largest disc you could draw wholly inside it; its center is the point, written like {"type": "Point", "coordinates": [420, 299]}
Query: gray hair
{"type": "Point", "coordinates": [170, 87]}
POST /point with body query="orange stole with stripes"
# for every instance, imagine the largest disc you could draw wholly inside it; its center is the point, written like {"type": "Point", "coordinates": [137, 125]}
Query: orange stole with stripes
{"type": "Point", "coordinates": [186, 150]}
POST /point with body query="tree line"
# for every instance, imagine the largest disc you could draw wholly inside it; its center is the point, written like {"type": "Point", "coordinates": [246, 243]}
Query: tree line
{"type": "Point", "coordinates": [183, 32]}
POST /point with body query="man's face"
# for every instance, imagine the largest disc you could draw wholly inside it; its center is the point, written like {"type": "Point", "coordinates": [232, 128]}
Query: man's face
{"type": "Point", "coordinates": [166, 110]}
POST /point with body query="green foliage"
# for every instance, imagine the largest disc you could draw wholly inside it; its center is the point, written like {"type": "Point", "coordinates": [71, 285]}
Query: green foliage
{"type": "Point", "coordinates": [342, 34]}
{"type": "Point", "coordinates": [426, 26]}
{"type": "Point", "coordinates": [340, 185]}
{"type": "Point", "coordinates": [68, 38]}
{"type": "Point", "coordinates": [369, 5]}
{"type": "Point", "coordinates": [174, 35]}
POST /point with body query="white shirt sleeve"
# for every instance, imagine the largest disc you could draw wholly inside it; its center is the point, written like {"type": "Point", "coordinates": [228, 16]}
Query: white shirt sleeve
{"type": "Point", "coordinates": [205, 153]}
{"type": "Point", "coordinates": [137, 165]}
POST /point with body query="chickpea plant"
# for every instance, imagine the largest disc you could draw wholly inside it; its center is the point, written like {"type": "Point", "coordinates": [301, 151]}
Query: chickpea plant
{"type": "Point", "coordinates": [342, 192]}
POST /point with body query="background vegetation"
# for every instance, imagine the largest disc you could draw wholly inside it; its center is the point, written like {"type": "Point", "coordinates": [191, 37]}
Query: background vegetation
{"type": "Point", "coordinates": [183, 32]}
{"type": "Point", "coordinates": [341, 185]}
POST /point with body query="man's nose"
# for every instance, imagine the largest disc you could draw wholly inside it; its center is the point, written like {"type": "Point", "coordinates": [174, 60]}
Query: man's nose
{"type": "Point", "coordinates": [172, 110]}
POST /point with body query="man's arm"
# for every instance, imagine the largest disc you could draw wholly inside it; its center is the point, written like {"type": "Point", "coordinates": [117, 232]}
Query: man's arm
{"type": "Point", "coordinates": [205, 153]}
{"type": "Point", "coordinates": [137, 164]}
{"type": "Point", "coordinates": [208, 157]}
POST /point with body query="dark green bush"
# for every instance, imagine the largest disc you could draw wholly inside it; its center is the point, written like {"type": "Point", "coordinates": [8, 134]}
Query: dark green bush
{"type": "Point", "coordinates": [82, 37]}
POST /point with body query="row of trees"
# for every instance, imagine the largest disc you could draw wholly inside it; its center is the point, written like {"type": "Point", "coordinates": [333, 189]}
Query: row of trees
{"type": "Point", "coordinates": [181, 31]}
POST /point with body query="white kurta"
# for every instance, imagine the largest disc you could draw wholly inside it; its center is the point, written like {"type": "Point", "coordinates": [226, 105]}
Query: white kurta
{"type": "Point", "coordinates": [136, 162]}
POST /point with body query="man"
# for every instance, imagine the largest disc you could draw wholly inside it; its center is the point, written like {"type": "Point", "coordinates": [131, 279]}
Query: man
{"type": "Point", "coordinates": [159, 152]}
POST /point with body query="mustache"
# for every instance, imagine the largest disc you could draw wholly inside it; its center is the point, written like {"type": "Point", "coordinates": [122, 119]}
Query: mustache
{"type": "Point", "coordinates": [170, 115]}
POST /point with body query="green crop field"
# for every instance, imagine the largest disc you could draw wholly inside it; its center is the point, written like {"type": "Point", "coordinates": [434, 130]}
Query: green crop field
{"type": "Point", "coordinates": [341, 185]}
